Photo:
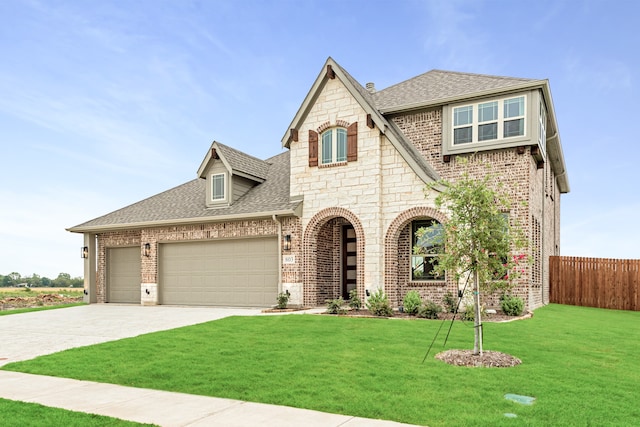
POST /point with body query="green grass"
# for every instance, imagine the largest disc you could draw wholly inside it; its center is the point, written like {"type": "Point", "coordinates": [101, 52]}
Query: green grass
{"type": "Point", "coordinates": [42, 308]}
{"type": "Point", "coordinates": [21, 414]}
{"type": "Point", "coordinates": [579, 363]}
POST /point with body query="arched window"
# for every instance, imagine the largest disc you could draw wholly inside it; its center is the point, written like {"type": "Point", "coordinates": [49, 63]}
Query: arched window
{"type": "Point", "coordinates": [427, 239]}
{"type": "Point", "coordinates": [334, 146]}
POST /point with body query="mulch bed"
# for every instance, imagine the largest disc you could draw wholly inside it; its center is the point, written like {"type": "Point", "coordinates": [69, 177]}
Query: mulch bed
{"type": "Point", "coordinates": [489, 359]}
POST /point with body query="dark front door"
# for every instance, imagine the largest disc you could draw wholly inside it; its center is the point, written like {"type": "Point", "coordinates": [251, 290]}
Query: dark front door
{"type": "Point", "coordinates": [349, 258]}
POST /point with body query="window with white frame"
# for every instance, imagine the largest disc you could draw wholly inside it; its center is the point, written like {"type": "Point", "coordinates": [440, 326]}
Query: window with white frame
{"type": "Point", "coordinates": [542, 126]}
{"type": "Point", "coordinates": [334, 146]}
{"type": "Point", "coordinates": [489, 120]}
{"type": "Point", "coordinates": [427, 238]}
{"type": "Point", "coordinates": [218, 187]}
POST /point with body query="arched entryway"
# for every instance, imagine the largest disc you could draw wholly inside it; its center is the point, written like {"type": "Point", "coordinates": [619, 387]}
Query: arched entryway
{"type": "Point", "coordinates": [333, 256]}
{"type": "Point", "coordinates": [398, 257]}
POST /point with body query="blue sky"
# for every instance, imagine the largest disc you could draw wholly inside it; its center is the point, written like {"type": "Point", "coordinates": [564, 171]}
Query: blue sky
{"type": "Point", "coordinates": [106, 103]}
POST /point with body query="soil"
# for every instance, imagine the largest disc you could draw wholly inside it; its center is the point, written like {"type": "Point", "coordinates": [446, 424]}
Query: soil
{"type": "Point", "coordinates": [38, 300]}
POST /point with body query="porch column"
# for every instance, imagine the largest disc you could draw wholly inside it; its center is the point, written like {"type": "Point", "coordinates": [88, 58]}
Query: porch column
{"type": "Point", "coordinates": [90, 267]}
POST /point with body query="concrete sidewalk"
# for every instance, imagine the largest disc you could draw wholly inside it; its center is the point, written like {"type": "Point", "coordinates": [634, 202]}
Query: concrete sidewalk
{"type": "Point", "coordinates": [165, 408]}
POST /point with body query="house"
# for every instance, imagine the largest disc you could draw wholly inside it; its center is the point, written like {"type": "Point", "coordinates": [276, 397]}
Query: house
{"type": "Point", "coordinates": [337, 210]}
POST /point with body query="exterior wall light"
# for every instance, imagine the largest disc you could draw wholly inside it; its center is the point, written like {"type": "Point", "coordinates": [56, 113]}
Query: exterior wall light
{"type": "Point", "coordinates": [287, 242]}
{"type": "Point", "coordinates": [84, 252]}
{"type": "Point", "coordinates": [147, 250]}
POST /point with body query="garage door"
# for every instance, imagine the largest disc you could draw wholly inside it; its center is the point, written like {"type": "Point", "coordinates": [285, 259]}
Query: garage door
{"type": "Point", "coordinates": [123, 275]}
{"type": "Point", "coordinates": [240, 273]}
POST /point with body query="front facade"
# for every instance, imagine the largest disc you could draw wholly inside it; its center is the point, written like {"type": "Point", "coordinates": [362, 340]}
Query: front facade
{"type": "Point", "coordinates": [338, 209]}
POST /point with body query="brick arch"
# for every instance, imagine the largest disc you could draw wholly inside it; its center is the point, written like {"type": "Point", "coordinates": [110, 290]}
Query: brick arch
{"type": "Point", "coordinates": [391, 248]}
{"type": "Point", "coordinates": [310, 251]}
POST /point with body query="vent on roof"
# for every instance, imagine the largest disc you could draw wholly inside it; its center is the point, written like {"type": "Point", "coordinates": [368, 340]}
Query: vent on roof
{"type": "Point", "coordinates": [371, 87]}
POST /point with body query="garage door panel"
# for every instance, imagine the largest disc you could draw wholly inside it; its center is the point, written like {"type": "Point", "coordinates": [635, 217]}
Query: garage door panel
{"type": "Point", "coordinates": [239, 272]}
{"type": "Point", "coordinates": [123, 275]}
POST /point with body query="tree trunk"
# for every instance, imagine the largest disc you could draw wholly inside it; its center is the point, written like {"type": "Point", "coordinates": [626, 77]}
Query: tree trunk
{"type": "Point", "coordinates": [477, 343]}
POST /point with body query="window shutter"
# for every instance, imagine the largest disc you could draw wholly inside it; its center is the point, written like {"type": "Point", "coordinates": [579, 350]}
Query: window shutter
{"type": "Point", "coordinates": [352, 142]}
{"type": "Point", "coordinates": [313, 148]}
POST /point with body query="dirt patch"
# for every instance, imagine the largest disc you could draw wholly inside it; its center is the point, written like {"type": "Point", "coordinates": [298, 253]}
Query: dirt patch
{"type": "Point", "coordinates": [489, 359]}
{"type": "Point", "coordinates": [38, 300]}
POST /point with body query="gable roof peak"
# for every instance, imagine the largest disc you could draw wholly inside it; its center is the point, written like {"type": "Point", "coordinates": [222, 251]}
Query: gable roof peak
{"type": "Point", "coordinates": [238, 162]}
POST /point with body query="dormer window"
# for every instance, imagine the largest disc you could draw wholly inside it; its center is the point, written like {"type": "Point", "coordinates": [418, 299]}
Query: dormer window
{"type": "Point", "coordinates": [334, 146]}
{"type": "Point", "coordinates": [487, 121]}
{"type": "Point", "coordinates": [218, 186]}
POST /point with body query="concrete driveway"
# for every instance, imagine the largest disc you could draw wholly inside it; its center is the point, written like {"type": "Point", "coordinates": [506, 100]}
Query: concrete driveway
{"type": "Point", "coordinates": [28, 335]}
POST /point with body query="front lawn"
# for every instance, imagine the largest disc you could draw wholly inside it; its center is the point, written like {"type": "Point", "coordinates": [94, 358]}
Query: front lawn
{"type": "Point", "coordinates": [20, 414]}
{"type": "Point", "coordinates": [579, 363]}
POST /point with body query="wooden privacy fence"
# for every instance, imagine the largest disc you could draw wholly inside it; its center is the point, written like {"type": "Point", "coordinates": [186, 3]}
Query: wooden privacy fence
{"type": "Point", "coordinates": [595, 282]}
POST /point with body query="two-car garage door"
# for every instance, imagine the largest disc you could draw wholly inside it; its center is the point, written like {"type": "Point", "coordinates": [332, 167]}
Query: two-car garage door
{"type": "Point", "coordinates": [239, 272]}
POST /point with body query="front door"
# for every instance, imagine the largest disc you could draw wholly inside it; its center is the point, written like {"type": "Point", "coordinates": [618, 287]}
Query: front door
{"type": "Point", "coordinates": [349, 260]}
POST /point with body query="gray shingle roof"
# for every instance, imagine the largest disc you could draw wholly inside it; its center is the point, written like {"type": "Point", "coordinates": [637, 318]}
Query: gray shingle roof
{"type": "Point", "coordinates": [244, 163]}
{"type": "Point", "coordinates": [436, 85]}
{"type": "Point", "coordinates": [187, 201]}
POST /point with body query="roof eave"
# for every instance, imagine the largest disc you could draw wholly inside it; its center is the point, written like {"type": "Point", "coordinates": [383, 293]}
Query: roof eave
{"type": "Point", "coordinates": [180, 221]}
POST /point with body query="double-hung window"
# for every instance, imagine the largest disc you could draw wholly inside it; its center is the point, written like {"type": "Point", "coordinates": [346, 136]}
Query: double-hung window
{"type": "Point", "coordinates": [514, 117]}
{"type": "Point", "coordinates": [218, 187]}
{"type": "Point", "coordinates": [334, 146]}
{"type": "Point", "coordinates": [489, 120]}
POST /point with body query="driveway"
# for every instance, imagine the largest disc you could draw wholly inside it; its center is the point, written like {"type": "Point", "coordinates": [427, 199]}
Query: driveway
{"type": "Point", "coordinates": [28, 335]}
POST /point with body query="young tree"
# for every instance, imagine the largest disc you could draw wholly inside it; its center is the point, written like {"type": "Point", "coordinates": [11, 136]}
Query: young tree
{"type": "Point", "coordinates": [478, 237]}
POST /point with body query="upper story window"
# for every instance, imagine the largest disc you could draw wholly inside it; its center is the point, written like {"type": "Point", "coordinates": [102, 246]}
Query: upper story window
{"type": "Point", "coordinates": [486, 121]}
{"type": "Point", "coordinates": [427, 237]}
{"type": "Point", "coordinates": [542, 126]}
{"type": "Point", "coordinates": [218, 187]}
{"type": "Point", "coordinates": [334, 146]}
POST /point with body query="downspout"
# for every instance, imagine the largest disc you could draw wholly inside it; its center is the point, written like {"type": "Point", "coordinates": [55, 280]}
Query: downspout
{"type": "Point", "coordinates": [543, 233]}
{"type": "Point", "coordinates": [279, 251]}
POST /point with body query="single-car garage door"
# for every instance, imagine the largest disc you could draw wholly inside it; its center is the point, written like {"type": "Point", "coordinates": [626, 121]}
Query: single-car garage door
{"type": "Point", "coordinates": [239, 272]}
{"type": "Point", "coordinates": [123, 275]}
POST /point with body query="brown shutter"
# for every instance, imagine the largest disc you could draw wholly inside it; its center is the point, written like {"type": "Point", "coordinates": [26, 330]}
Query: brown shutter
{"type": "Point", "coordinates": [313, 148]}
{"type": "Point", "coordinates": [352, 142]}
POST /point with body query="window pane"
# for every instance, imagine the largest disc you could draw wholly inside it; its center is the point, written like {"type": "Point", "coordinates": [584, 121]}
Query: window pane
{"type": "Point", "coordinates": [462, 135]}
{"type": "Point", "coordinates": [217, 187]}
{"type": "Point", "coordinates": [489, 131]}
{"type": "Point", "coordinates": [488, 111]}
{"type": "Point", "coordinates": [513, 128]}
{"type": "Point", "coordinates": [463, 116]}
{"type": "Point", "coordinates": [514, 107]}
{"type": "Point", "coordinates": [326, 147]}
{"type": "Point", "coordinates": [341, 155]}
{"type": "Point", "coordinates": [417, 268]}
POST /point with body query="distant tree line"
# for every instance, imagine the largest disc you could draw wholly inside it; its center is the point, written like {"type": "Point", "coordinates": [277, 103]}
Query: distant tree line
{"type": "Point", "coordinates": [64, 280]}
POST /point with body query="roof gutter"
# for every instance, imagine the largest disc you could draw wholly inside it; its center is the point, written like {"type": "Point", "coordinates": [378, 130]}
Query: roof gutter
{"type": "Point", "coordinates": [181, 221]}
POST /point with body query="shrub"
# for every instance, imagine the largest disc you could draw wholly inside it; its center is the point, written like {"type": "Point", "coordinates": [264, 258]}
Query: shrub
{"type": "Point", "coordinates": [354, 300]}
{"type": "Point", "coordinates": [469, 313]}
{"type": "Point", "coordinates": [450, 302]}
{"type": "Point", "coordinates": [378, 304]}
{"type": "Point", "coordinates": [412, 302]}
{"type": "Point", "coordinates": [511, 306]}
{"type": "Point", "coordinates": [430, 310]}
{"type": "Point", "coordinates": [334, 306]}
{"type": "Point", "coordinates": [283, 300]}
